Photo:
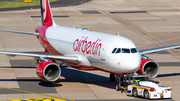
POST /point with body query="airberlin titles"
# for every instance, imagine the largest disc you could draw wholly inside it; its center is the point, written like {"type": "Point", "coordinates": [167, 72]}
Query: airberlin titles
{"type": "Point", "coordinates": [88, 47]}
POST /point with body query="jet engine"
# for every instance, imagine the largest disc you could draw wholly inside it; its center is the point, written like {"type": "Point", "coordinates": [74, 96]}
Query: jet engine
{"type": "Point", "coordinates": [48, 71]}
{"type": "Point", "coordinates": [149, 67]}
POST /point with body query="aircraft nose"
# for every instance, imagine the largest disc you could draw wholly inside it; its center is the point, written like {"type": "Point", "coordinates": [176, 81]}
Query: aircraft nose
{"type": "Point", "coordinates": [134, 63]}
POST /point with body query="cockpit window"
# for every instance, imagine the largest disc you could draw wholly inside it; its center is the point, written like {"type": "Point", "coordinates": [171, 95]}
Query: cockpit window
{"type": "Point", "coordinates": [114, 50]}
{"type": "Point", "coordinates": [125, 50]}
{"type": "Point", "coordinates": [133, 50]}
{"type": "Point", "coordinates": [119, 50]}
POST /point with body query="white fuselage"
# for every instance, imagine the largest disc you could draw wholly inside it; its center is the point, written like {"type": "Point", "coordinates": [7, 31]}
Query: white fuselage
{"type": "Point", "coordinates": [96, 49]}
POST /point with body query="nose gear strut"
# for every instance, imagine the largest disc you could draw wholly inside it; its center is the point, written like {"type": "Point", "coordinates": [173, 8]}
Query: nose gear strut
{"type": "Point", "coordinates": [120, 80]}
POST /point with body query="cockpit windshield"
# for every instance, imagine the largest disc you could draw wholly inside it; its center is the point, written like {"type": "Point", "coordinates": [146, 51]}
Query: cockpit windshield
{"type": "Point", "coordinates": [133, 50]}
{"type": "Point", "coordinates": [124, 50]}
{"type": "Point", "coordinates": [114, 50]}
{"type": "Point", "coordinates": [119, 50]}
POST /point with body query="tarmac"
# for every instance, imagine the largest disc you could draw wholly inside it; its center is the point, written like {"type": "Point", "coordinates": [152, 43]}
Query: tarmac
{"type": "Point", "coordinates": [149, 24]}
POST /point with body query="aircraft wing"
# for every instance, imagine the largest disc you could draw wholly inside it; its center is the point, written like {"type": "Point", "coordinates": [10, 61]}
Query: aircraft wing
{"type": "Point", "coordinates": [20, 32]}
{"type": "Point", "coordinates": [152, 50]}
{"type": "Point", "coordinates": [71, 59]}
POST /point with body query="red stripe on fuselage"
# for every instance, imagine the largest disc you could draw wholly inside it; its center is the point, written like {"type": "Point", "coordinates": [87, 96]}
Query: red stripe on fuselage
{"type": "Point", "coordinates": [42, 38]}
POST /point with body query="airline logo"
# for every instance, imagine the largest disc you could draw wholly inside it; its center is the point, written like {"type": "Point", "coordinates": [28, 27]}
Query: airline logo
{"type": "Point", "coordinates": [88, 47]}
{"type": "Point", "coordinates": [47, 16]}
{"type": "Point", "coordinates": [44, 9]}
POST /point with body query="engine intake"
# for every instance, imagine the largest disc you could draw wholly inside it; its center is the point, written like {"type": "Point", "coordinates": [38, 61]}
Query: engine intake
{"type": "Point", "coordinates": [149, 67]}
{"type": "Point", "coordinates": [48, 71]}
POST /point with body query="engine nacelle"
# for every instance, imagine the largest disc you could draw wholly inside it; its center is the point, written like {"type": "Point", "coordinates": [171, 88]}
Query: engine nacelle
{"type": "Point", "coordinates": [149, 67]}
{"type": "Point", "coordinates": [48, 71]}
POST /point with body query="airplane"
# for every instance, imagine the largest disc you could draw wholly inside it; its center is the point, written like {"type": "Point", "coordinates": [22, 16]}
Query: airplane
{"type": "Point", "coordinates": [86, 50]}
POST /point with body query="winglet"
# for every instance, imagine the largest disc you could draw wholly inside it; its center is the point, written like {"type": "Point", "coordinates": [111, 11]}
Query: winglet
{"type": "Point", "coordinates": [46, 14]}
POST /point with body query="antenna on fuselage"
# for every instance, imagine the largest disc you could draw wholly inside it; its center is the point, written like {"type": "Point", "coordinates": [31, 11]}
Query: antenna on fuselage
{"type": "Point", "coordinates": [118, 34]}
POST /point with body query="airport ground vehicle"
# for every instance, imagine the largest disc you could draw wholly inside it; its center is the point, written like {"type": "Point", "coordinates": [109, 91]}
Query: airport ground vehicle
{"type": "Point", "coordinates": [139, 85]}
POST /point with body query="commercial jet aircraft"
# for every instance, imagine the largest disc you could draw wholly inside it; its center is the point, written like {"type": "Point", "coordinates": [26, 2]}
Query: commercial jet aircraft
{"type": "Point", "coordinates": [86, 50]}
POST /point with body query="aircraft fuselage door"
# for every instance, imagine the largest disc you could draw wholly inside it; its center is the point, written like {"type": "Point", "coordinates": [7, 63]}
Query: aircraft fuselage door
{"type": "Point", "coordinates": [103, 52]}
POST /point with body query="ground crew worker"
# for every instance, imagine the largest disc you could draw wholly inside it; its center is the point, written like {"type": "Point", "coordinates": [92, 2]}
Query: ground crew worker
{"type": "Point", "coordinates": [136, 81]}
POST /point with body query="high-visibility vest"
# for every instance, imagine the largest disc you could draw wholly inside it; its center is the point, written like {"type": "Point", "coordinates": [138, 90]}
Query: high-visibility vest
{"type": "Point", "coordinates": [137, 80]}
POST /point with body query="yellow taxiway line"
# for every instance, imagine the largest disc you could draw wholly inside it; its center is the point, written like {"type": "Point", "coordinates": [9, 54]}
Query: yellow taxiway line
{"type": "Point", "coordinates": [37, 99]}
{"type": "Point", "coordinates": [56, 97]}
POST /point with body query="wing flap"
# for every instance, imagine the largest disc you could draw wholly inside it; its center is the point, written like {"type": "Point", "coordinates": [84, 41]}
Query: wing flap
{"type": "Point", "coordinates": [20, 32]}
{"type": "Point", "coordinates": [158, 49]}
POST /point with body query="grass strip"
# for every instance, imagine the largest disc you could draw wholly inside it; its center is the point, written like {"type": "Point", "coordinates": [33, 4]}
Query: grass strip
{"type": "Point", "coordinates": [20, 3]}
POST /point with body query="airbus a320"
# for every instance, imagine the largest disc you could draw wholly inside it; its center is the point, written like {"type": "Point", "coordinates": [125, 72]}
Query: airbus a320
{"type": "Point", "coordinates": [86, 50]}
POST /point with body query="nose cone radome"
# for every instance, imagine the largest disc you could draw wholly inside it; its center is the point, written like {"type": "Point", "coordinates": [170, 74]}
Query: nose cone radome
{"type": "Point", "coordinates": [130, 63]}
{"type": "Point", "coordinates": [127, 63]}
{"type": "Point", "coordinates": [134, 63]}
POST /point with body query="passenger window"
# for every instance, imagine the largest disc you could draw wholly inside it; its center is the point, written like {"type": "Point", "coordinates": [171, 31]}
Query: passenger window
{"type": "Point", "coordinates": [119, 50]}
{"type": "Point", "coordinates": [125, 50]}
{"type": "Point", "coordinates": [133, 50]}
{"type": "Point", "coordinates": [114, 50]}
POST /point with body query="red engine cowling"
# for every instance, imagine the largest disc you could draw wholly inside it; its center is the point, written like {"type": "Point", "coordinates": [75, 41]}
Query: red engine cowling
{"type": "Point", "coordinates": [48, 71]}
{"type": "Point", "coordinates": [149, 67]}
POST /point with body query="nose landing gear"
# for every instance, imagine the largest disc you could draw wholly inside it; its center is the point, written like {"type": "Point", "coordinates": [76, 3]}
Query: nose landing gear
{"type": "Point", "coordinates": [120, 80]}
